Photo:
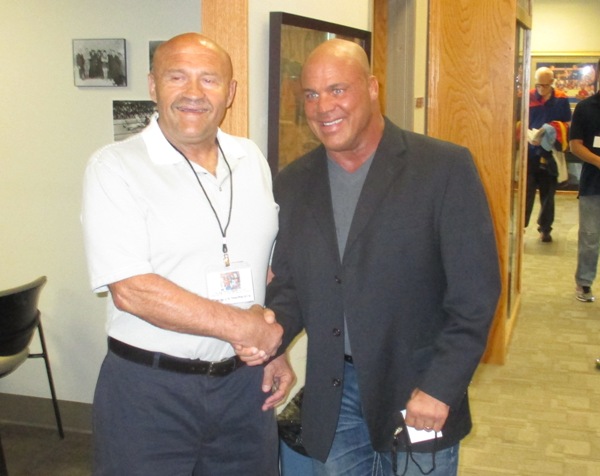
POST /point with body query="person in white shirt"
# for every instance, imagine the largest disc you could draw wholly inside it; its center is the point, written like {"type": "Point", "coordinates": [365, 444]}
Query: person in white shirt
{"type": "Point", "coordinates": [179, 223]}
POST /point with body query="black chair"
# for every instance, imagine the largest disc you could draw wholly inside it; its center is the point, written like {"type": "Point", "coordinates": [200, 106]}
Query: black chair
{"type": "Point", "coordinates": [19, 318]}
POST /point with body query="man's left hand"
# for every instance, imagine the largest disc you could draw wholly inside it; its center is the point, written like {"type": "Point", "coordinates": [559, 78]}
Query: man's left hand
{"type": "Point", "coordinates": [278, 379]}
{"type": "Point", "coordinates": [425, 412]}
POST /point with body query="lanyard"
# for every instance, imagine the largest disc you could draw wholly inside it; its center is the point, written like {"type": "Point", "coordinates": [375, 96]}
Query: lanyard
{"type": "Point", "coordinates": [223, 230]}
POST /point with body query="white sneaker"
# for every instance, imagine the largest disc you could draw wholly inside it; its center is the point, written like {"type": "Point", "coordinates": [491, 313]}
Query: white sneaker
{"type": "Point", "coordinates": [584, 294]}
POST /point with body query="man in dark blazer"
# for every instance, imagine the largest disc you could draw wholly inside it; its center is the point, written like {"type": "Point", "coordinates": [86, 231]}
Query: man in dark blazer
{"type": "Point", "coordinates": [386, 255]}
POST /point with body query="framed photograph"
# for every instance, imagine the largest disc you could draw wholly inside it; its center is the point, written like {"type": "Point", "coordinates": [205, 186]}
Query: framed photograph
{"type": "Point", "coordinates": [100, 63]}
{"type": "Point", "coordinates": [575, 74]}
{"type": "Point", "coordinates": [152, 45]}
{"type": "Point", "coordinates": [130, 117]}
{"type": "Point", "coordinates": [292, 38]}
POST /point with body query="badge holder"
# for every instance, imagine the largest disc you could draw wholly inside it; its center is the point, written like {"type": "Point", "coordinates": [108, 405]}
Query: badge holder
{"type": "Point", "coordinates": [230, 284]}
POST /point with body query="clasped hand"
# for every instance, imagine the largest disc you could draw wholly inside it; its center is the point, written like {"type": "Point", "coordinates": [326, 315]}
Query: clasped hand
{"type": "Point", "coordinates": [263, 337]}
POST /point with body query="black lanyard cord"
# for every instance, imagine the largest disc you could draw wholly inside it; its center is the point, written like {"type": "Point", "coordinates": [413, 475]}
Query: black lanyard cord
{"type": "Point", "coordinates": [223, 230]}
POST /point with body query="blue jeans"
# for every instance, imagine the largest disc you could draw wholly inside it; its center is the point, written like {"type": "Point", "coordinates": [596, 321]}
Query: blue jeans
{"type": "Point", "coordinates": [293, 463]}
{"type": "Point", "coordinates": [352, 454]}
{"type": "Point", "coordinates": [588, 243]}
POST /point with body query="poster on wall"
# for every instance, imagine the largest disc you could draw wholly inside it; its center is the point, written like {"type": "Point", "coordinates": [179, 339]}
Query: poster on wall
{"type": "Point", "coordinates": [574, 74]}
{"type": "Point", "coordinates": [130, 117]}
{"type": "Point", "coordinates": [100, 63]}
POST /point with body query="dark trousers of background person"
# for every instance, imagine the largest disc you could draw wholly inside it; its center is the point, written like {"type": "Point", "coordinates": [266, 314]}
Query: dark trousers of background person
{"type": "Point", "coordinates": [546, 183]}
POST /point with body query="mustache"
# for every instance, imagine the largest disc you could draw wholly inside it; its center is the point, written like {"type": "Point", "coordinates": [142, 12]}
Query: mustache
{"type": "Point", "coordinates": [199, 105]}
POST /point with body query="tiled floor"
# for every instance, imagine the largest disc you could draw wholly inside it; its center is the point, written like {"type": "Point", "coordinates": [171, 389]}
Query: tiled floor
{"type": "Point", "coordinates": [539, 414]}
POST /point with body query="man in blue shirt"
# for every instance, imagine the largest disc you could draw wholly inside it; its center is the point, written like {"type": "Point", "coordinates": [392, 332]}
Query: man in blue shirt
{"type": "Point", "coordinates": [546, 105]}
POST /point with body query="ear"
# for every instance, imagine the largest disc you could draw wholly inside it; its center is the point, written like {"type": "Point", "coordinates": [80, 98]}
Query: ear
{"type": "Point", "coordinates": [152, 86]}
{"type": "Point", "coordinates": [232, 90]}
{"type": "Point", "coordinates": [373, 88]}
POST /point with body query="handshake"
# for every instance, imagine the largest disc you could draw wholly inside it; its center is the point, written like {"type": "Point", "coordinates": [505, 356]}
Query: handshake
{"type": "Point", "coordinates": [260, 336]}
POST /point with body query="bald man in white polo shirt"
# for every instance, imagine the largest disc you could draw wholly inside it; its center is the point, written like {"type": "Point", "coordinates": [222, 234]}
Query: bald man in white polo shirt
{"type": "Point", "coordinates": [179, 223]}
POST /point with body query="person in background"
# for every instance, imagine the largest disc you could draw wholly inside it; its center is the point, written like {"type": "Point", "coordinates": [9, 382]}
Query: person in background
{"type": "Point", "coordinates": [179, 223]}
{"type": "Point", "coordinates": [390, 264]}
{"type": "Point", "coordinates": [585, 144]}
{"type": "Point", "coordinates": [546, 105]}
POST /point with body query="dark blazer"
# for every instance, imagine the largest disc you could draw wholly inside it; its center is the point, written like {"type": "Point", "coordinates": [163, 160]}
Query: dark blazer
{"type": "Point", "coordinates": [418, 283]}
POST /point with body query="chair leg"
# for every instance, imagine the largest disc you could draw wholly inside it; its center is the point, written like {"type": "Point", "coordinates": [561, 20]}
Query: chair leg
{"type": "Point", "coordinates": [50, 381]}
{"type": "Point", "coordinates": [3, 468]}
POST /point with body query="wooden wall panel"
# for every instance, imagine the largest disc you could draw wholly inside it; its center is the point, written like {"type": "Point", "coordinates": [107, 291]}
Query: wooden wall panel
{"type": "Point", "coordinates": [470, 91]}
{"type": "Point", "coordinates": [379, 47]}
{"type": "Point", "coordinates": [226, 22]}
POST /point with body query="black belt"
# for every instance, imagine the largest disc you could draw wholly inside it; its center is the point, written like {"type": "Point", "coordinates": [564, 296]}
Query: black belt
{"type": "Point", "coordinates": [174, 364]}
{"type": "Point", "coordinates": [348, 358]}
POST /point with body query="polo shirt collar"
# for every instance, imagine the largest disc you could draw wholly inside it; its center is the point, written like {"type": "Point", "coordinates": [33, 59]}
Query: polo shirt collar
{"type": "Point", "coordinates": [161, 152]}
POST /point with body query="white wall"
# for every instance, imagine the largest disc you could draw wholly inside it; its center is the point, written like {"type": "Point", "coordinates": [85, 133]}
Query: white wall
{"type": "Point", "coordinates": [50, 128]}
{"type": "Point", "coordinates": [565, 27]}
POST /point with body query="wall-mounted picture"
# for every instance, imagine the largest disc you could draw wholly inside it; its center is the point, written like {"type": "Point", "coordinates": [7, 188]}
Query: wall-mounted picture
{"type": "Point", "coordinates": [100, 62]}
{"type": "Point", "coordinates": [130, 117]}
{"type": "Point", "coordinates": [152, 45]}
{"type": "Point", "coordinates": [292, 38]}
{"type": "Point", "coordinates": [573, 74]}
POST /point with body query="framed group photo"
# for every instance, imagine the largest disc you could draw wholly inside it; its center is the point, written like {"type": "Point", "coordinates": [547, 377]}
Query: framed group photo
{"type": "Point", "coordinates": [100, 62]}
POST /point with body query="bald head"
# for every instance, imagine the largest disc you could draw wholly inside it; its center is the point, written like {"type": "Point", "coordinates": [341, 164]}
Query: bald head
{"type": "Point", "coordinates": [190, 43]}
{"type": "Point", "coordinates": [544, 79]}
{"type": "Point", "coordinates": [344, 51]}
{"type": "Point", "coordinates": [341, 101]}
{"type": "Point", "coordinates": [544, 75]}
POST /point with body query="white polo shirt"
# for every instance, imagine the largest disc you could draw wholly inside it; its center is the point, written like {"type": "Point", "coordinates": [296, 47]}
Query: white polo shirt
{"type": "Point", "coordinates": [144, 212]}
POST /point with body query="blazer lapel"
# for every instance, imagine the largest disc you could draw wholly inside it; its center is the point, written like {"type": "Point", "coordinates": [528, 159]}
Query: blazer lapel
{"type": "Point", "coordinates": [318, 199]}
{"type": "Point", "coordinates": [387, 164]}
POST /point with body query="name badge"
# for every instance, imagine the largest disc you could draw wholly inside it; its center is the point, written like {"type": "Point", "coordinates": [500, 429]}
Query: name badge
{"type": "Point", "coordinates": [230, 284]}
{"type": "Point", "coordinates": [597, 142]}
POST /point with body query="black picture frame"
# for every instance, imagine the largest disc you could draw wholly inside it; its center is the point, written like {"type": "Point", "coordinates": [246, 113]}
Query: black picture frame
{"type": "Point", "coordinates": [152, 45]}
{"type": "Point", "coordinates": [291, 39]}
{"type": "Point", "coordinates": [100, 62]}
{"type": "Point", "coordinates": [131, 117]}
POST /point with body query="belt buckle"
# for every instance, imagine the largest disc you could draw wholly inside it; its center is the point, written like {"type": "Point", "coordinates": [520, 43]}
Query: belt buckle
{"type": "Point", "coordinates": [211, 368]}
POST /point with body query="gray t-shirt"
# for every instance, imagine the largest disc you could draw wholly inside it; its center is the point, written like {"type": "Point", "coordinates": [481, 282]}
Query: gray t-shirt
{"type": "Point", "coordinates": [345, 191]}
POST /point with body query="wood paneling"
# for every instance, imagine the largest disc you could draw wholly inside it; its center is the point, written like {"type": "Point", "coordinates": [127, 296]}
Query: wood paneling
{"type": "Point", "coordinates": [470, 102]}
{"type": "Point", "coordinates": [226, 22]}
{"type": "Point", "coordinates": [380, 40]}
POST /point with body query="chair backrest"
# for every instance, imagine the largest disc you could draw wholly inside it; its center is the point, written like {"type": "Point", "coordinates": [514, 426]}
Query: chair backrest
{"type": "Point", "coordinates": [19, 316]}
